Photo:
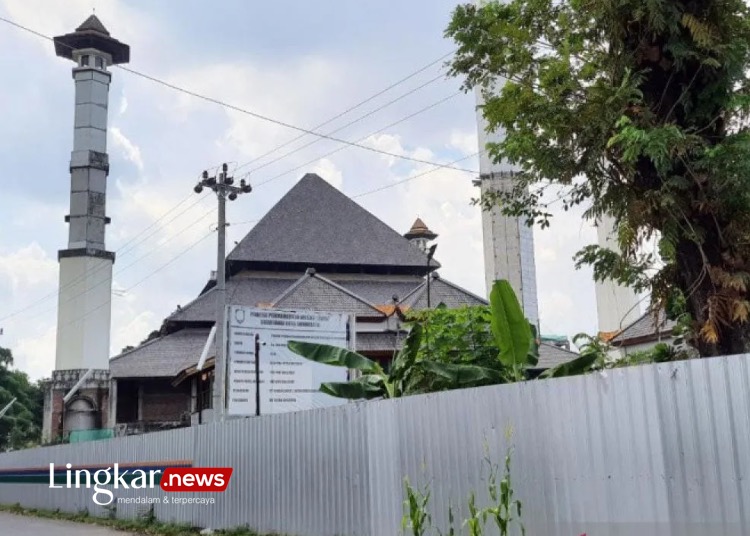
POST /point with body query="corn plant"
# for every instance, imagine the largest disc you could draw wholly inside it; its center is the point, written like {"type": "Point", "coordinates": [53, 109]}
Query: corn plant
{"type": "Point", "coordinates": [505, 509]}
{"type": "Point", "coordinates": [475, 522]}
{"type": "Point", "coordinates": [451, 522]}
{"type": "Point", "coordinates": [416, 517]}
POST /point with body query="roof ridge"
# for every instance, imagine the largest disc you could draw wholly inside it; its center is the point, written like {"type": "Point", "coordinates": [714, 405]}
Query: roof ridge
{"type": "Point", "coordinates": [289, 290]}
{"type": "Point", "coordinates": [346, 291]}
{"type": "Point", "coordinates": [457, 287]}
{"type": "Point", "coordinates": [138, 347]}
{"type": "Point", "coordinates": [313, 274]}
{"type": "Point", "coordinates": [413, 292]}
{"type": "Point", "coordinates": [191, 302]}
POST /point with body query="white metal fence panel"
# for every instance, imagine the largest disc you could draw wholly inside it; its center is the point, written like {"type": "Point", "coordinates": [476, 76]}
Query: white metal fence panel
{"type": "Point", "coordinates": [658, 449]}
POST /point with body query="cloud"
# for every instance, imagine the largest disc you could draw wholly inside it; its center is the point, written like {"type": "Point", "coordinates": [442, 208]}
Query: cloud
{"type": "Point", "coordinates": [466, 142]}
{"type": "Point", "coordinates": [123, 105]}
{"type": "Point", "coordinates": [328, 171]}
{"type": "Point", "coordinates": [130, 151]}
{"type": "Point", "coordinates": [35, 353]}
{"type": "Point", "coordinates": [131, 327]}
{"type": "Point", "coordinates": [389, 143]}
{"type": "Point", "coordinates": [28, 268]}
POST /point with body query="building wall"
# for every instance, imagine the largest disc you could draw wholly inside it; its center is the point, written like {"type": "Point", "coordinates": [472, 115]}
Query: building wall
{"type": "Point", "coordinates": [95, 390]}
{"type": "Point", "coordinates": [641, 451]}
{"type": "Point", "coordinates": [152, 400]}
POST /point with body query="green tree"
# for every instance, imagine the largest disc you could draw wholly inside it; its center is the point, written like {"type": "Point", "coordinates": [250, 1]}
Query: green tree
{"type": "Point", "coordinates": [637, 110]}
{"type": "Point", "coordinates": [21, 426]}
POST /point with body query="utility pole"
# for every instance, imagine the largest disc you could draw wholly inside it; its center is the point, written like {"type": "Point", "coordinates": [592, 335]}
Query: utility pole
{"type": "Point", "coordinates": [430, 254]}
{"type": "Point", "coordinates": [223, 186]}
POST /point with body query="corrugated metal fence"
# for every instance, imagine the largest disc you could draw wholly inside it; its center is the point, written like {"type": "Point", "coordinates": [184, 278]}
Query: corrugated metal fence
{"type": "Point", "coordinates": [659, 449]}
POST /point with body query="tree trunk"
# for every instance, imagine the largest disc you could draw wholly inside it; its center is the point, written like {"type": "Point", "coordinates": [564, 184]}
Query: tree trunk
{"type": "Point", "coordinates": [734, 337]}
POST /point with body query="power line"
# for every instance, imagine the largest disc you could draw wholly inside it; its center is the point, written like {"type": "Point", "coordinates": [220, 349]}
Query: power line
{"type": "Point", "coordinates": [406, 118]}
{"type": "Point", "coordinates": [350, 109]}
{"type": "Point", "coordinates": [131, 287]}
{"type": "Point", "coordinates": [342, 127]}
{"type": "Point", "coordinates": [391, 185]}
{"type": "Point", "coordinates": [93, 271]}
{"type": "Point", "coordinates": [250, 112]}
{"type": "Point", "coordinates": [136, 261]}
{"type": "Point", "coordinates": [123, 250]}
{"type": "Point", "coordinates": [417, 176]}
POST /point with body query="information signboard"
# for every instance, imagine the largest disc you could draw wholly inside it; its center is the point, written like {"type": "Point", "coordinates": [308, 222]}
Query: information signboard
{"type": "Point", "coordinates": [288, 382]}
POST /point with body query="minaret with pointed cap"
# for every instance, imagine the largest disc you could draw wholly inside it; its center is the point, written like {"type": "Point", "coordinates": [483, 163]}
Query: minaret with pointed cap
{"type": "Point", "coordinates": [84, 307]}
{"type": "Point", "coordinates": [420, 235]}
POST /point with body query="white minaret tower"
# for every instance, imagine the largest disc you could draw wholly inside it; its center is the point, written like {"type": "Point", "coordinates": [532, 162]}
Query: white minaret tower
{"type": "Point", "coordinates": [508, 242]}
{"type": "Point", "coordinates": [616, 306]}
{"type": "Point", "coordinates": [78, 395]}
{"type": "Point", "coordinates": [84, 307]}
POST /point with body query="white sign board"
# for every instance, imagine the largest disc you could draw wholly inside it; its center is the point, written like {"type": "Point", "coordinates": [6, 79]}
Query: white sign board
{"type": "Point", "coordinates": [288, 382]}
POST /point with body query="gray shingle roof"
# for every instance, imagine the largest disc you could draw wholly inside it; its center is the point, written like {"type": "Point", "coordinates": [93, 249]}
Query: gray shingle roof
{"type": "Point", "coordinates": [379, 342]}
{"type": "Point", "coordinates": [316, 225]}
{"type": "Point", "coordinates": [317, 293]}
{"type": "Point", "coordinates": [551, 356]}
{"type": "Point", "coordinates": [248, 291]}
{"type": "Point", "coordinates": [163, 357]}
{"type": "Point", "coordinates": [645, 327]}
{"type": "Point", "coordinates": [92, 23]}
{"type": "Point", "coordinates": [441, 291]}
{"type": "Point", "coordinates": [378, 291]}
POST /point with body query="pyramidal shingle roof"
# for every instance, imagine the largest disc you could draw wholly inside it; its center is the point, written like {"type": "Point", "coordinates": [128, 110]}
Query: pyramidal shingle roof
{"type": "Point", "coordinates": [315, 225]}
{"type": "Point", "coordinates": [93, 23]}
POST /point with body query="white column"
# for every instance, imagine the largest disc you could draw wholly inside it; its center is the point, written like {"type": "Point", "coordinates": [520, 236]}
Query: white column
{"type": "Point", "coordinates": [508, 241]}
{"type": "Point", "coordinates": [84, 302]}
{"type": "Point", "coordinates": [616, 306]}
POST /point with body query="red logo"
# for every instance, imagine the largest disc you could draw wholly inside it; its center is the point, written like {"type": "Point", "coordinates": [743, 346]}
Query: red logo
{"type": "Point", "coordinates": [195, 478]}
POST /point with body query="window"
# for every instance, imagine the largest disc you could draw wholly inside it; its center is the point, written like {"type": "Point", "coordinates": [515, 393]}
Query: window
{"type": "Point", "coordinates": [99, 62]}
{"type": "Point", "coordinates": [85, 60]}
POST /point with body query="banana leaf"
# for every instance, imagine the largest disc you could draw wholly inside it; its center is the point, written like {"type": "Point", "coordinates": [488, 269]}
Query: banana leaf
{"type": "Point", "coordinates": [577, 366]}
{"type": "Point", "coordinates": [333, 355]}
{"type": "Point", "coordinates": [510, 327]}
{"type": "Point", "coordinates": [405, 358]}
{"type": "Point", "coordinates": [533, 357]}
{"type": "Point", "coordinates": [366, 387]}
{"type": "Point", "coordinates": [460, 375]}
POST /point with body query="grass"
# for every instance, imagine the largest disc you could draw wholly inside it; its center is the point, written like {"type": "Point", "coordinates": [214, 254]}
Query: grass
{"type": "Point", "coordinates": [148, 526]}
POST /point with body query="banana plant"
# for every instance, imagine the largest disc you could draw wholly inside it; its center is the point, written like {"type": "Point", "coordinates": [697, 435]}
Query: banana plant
{"type": "Point", "coordinates": [593, 354]}
{"type": "Point", "coordinates": [514, 335]}
{"type": "Point", "coordinates": [375, 382]}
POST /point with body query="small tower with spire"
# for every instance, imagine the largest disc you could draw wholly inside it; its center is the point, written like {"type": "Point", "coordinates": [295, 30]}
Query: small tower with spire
{"type": "Point", "coordinates": [85, 296]}
{"type": "Point", "coordinates": [420, 235]}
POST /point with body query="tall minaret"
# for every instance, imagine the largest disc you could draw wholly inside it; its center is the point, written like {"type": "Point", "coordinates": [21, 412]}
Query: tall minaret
{"type": "Point", "coordinates": [508, 241]}
{"type": "Point", "coordinates": [85, 296]}
{"type": "Point", "coordinates": [84, 307]}
{"type": "Point", "coordinates": [616, 306]}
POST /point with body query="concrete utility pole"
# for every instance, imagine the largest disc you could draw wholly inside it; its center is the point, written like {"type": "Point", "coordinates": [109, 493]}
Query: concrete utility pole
{"type": "Point", "coordinates": [223, 186]}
